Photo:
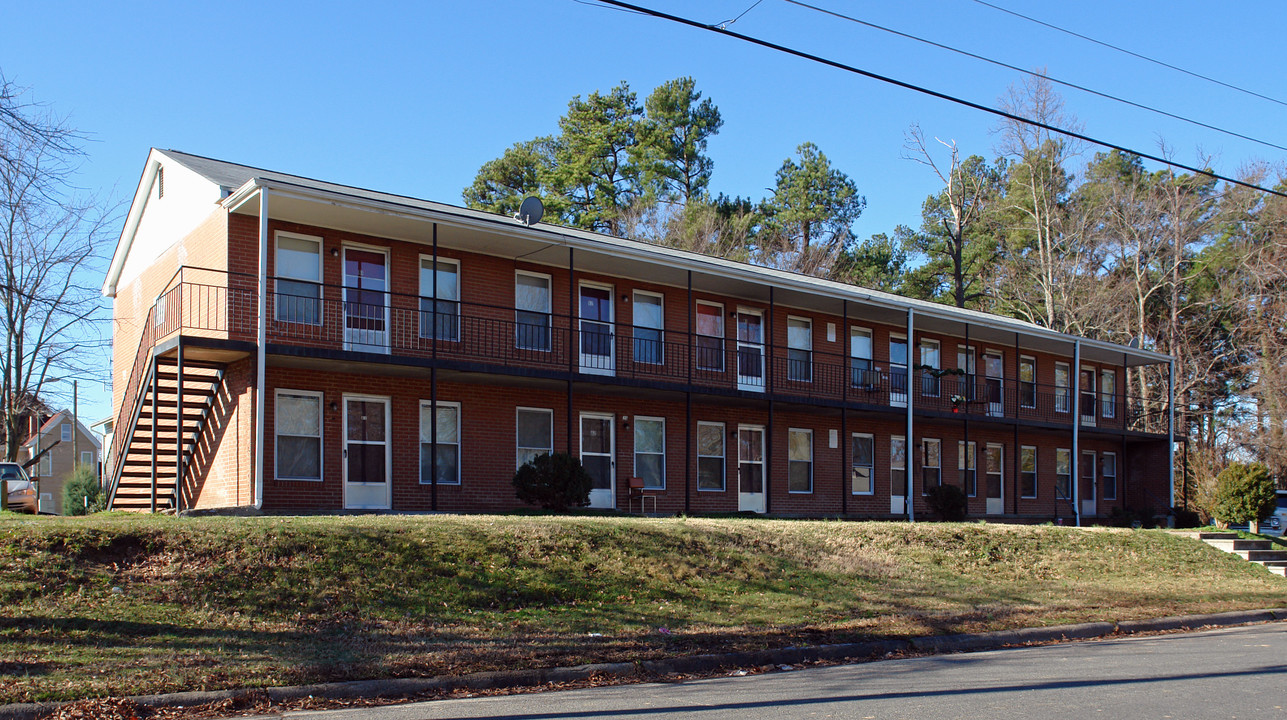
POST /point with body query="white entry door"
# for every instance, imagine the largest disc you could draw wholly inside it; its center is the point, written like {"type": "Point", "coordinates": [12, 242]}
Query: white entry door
{"type": "Point", "coordinates": [1087, 484]}
{"type": "Point", "coordinates": [597, 345]}
{"type": "Point", "coordinates": [750, 468]}
{"type": "Point", "coordinates": [367, 460]}
{"type": "Point", "coordinates": [750, 350]}
{"type": "Point", "coordinates": [597, 453]}
{"type": "Point", "coordinates": [366, 300]}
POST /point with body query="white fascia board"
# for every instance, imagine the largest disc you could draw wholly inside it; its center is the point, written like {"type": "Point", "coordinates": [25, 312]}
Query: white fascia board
{"type": "Point", "coordinates": [645, 252]}
{"type": "Point", "coordinates": [123, 244]}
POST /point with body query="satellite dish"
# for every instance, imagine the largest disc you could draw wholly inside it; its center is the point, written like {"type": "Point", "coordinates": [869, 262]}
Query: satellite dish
{"type": "Point", "coordinates": [1134, 344]}
{"type": "Point", "coordinates": [531, 211]}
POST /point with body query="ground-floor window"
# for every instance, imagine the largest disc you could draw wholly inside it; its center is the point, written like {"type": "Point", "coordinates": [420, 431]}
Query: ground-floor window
{"type": "Point", "coordinates": [1109, 476]}
{"type": "Point", "coordinates": [898, 466]}
{"type": "Point", "coordinates": [298, 424]}
{"type": "Point", "coordinates": [966, 463]}
{"type": "Point", "coordinates": [1028, 471]}
{"type": "Point", "coordinates": [931, 464]}
{"type": "Point", "coordinates": [800, 461]}
{"type": "Point", "coordinates": [863, 458]}
{"type": "Point", "coordinates": [650, 451]}
{"type": "Point", "coordinates": [535, 433]}
{"type": "Point", "coordinates": [1063, 474]}
{"type": "Point", "coordinates": [447, 470]}
{"type": "Point", "coordinates": [710, 456]}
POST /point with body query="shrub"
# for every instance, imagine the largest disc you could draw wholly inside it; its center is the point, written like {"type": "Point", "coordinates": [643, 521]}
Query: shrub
{"type": "Point", "coordinates": [1245, 493]}
{"type": "Point", "coordinates": [1186, 518]}
{"type": "Point", "coordinates": [83, 494]}
{"type": "Point", "coordinates": [947, 502]}
{"type": "Point", "coordinates": [555, 482]}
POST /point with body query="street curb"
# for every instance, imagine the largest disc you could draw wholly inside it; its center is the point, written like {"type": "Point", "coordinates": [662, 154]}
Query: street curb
{"type": "Point", "coordinates": [935, 644]}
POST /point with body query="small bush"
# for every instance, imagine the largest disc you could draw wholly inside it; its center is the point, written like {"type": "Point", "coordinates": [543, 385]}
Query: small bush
{"type": "Point", "coordinates": [82, 494]}
{"type": "Point", "coordinates": [1245, 493]}
{"type": "Point", "coordinates": [555, 482]}
{"type": "Point", "coordinates": [947, 502]}
{"type": "Point", "coordinates": [1186, 518]}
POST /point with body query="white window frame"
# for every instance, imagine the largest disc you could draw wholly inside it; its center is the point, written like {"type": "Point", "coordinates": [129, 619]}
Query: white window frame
{"type": "Point", "coordinates": [549, 450]}
{"type": "Point", "coordinates": [277, 274]}
{"type": "Point", "coordinates": [634, 438]}
{"type": "Point", "coordinates": [91, 461]}
{"type": "Point", "coordinates": [893, 440]}
{"type": "Point", "coordinates": [1063, 393]}
{"type": "Point", "coordinates": [1108, 404]}
{"type": "Point", "coordinates": [871, 468]}
{"type": "Point", "coordinates": [1067, 453]}
{"type": "Point", "coordinates": [661, 331]}
{"type": "Point", "coordinates": [938, 469]}
{"type": "Point", "coordinates": [930, 378]}
{"type": "Point", "coordinates": [808, 323]}
{"type": "Point", "coordinates": [1035, 473]}
{"type": "Point", "coordinates": [47, 464]}
{"type": "Point", "coordinates": [1104, 475]}
{"type": "Point", "coordinates": [426, 293]}
{"type": "Point", "coordinates": [460, 460]}
{"type": "Point", "coordinates": [870, 357]}
{"type": "Point", "coordinates": [723, 325]}
{"type": "Point", "coordinates": [723, 457]}
{"type": "Point", "coordinates": [65, 432]}
{"type": "Point", "coordinates": [1033, 360]}
{"type": "Point", "coordinates": [321, 434]}
{"type": "Point", "coordinates": [548, 312]}
{"type": "Point", "coordinates": [967, 459]}
{"type": "Point", "coordinates": [790, 460]}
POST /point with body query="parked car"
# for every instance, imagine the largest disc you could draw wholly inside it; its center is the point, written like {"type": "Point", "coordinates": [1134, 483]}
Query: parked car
{"type": "Point", "coordinates": [22, 492]}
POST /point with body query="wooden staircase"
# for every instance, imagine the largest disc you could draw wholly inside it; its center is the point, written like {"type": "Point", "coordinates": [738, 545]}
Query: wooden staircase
{"type": "Point", "coordinates": [149, 477]}
{"type": "Point", "coordinates": [1261, 552]}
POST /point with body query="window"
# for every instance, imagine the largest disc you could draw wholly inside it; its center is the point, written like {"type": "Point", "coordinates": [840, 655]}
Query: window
{"type": "Point", "coordinates": [87, 458]}
{"type": "Point", "coordinates": [966, 362]}
{"type": "Point", "coordinates": [898, 366]}
{"type": "Point", "coordinates": [47, 464]}
{"type": "Point", "coordinates": [863, 460]}
{"type": "Point", "coordinates": [800, 461]}
{"type": "Point", "coordinates": [440, 313]}
{"type": "Point", "coordinates": [898, 466]}
{"type": "Point", "coordinates": [1108, 475]}
{"type": "Point", "coordinates": [930, 360]}
{"type": "Point", "coordinates": [532, 311]}
{"type": "Point", "coordinates": [1028, 471]}
{"type": "Point", "coordinates": [931, 464]}
{"type": "Point", "coordinates": [160, 183]}
{"type": "Point", "coordinates": [1063, 393]}
{"type": "Point", "coordinates": [710, 456]}
{"type": "Point", "coordinates": [799, 349]}
{"type": "Point", "coordinates": [710, 337]}
{"type": "Point", "coordinates": [1027, 381]}
{"type": "Point", "coordinates": [447, 471]}
{"type": "Point", "coordinates": [299, 435]}
{"type": "Point", "coordinates": [158, 314]}
{"type": "Point", "coordinates": [1108, 391]}
{"type": "Point", "coordinates": [66, 431]}
{"type": "Point", "coordinates": [860, 369]}
{"type": "Point", "coordinates": [994, 465]}
{"type": "Point", "coordinates": [1087, 472]}
{"type": "Point", "coordinates": [535, 435]}
{"type": "Point", "coordinates": [966, 459]}
{"type": "Point", "coordinates": [1063, 474]}
{"type": "Point", "coordinates": [299, 279]}
{"type": "Point", "coordinates": [648, 320]}
{"type": "Point", "coordinates": [650, 451]}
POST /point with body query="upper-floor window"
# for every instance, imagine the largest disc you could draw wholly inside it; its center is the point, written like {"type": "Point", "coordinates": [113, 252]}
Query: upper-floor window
{"type": "Point", "coordinates": [1027, 381]}
{"type": "Point", "coordinates": [532, 311]}
{"type": "Point", "coordinates": [967, 363]}
{"type": "Point", "coordinates": [1063, 391]}
{"type": "Point", "coordinates": [799, 349]}
{"type": "Point", "coordinates": [299, 279]}
{"type": "Point", "coordinates": [648, 328]}
{"type": "Point", "coordinates": [66, 431]}
{"type": "Point", "coordinates": [440, 300]}
{"type": "Point", "coordinates": [860, 367]}
{"type": "Point", "coordinates": [710, 336]}
{"type": "Point", "coordinates": [1108, 390]}
{"type": "Point", "coordinates": [930, 361]}
{"type": "Point", "coordinates": [898, 369]}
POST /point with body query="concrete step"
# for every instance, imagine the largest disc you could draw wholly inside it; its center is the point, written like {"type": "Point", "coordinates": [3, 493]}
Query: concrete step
{"type": "Point", "coordinates": [1217, 536]}
{"type": "Point", "coordinates": [1241, 545]}
{"type": "Point", "coordinates": [1263, 555]}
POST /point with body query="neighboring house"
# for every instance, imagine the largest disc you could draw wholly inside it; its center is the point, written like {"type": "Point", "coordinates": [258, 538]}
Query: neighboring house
{"type": "Point", "coordinates": [69, 443]}
{"type": "Point", "coordinates": [298, 345]}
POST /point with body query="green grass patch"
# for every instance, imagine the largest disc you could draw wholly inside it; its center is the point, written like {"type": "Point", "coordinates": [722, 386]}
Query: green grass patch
{"type": "Point", "coordinates": [119, 605]}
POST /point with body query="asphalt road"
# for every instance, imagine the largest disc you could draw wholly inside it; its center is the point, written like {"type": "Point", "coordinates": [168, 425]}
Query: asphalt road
{"type": "Point", "coordinates": [1230, 673]}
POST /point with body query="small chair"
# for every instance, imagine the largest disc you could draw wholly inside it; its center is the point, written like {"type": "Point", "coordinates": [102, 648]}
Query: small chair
{"type": "Point", "coordinates": [637, 491]}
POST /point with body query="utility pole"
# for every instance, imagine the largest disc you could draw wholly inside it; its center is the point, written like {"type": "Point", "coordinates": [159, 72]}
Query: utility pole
{"type": "Point", "coordinates": [75, 425]}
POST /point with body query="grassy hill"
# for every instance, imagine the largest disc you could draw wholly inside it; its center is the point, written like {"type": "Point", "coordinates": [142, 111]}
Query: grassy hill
{"type": "Point", "coordinates": [125, 604]}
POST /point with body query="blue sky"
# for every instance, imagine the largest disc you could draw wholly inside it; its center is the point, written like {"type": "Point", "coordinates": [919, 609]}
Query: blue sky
{"type": "Point", "coordinates": [413, 97]}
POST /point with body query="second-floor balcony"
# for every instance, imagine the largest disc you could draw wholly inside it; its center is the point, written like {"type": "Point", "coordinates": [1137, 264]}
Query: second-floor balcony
{"type": "Point", "coordinates": [346, 320]}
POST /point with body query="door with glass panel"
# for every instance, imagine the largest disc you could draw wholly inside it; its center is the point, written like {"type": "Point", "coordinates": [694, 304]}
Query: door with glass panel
{"type": "Point", "coordinates": [1086, 487]}
{"type": "Point", "coordinates": [366, 300]}
{"type": "Point", "coordinates": [367, 459]}
{"type": "Point", "coordinates": [750, 350]}
{"type": "Point", "coordinates": [597, 458]}
{"type": "Point", "coordinates": [597, 346]}
{"type": "Point", "coordinates": [750, 468]}
{"type": "Point", "coordinates": [994, 374]}
{"type": "Point", "coordinates": [994, 467]}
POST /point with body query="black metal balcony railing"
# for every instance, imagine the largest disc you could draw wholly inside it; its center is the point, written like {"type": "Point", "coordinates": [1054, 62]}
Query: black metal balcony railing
{"type": "Point", "coordinates": [332, 317]}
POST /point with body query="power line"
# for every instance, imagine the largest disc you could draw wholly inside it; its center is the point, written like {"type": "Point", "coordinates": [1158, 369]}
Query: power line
{"type": "Point", "coordinates": [1057, 81]}
{"type": "Point", "coordinates": [934, 93]}
{"type": "Point", "coordinates": [1130, 52]}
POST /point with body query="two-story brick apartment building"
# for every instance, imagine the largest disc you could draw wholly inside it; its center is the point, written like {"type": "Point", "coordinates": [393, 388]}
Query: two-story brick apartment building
{"type": "Point", "coordinates": [295, 345]}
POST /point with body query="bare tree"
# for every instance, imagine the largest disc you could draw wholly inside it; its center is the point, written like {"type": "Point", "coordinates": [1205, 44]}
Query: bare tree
{"type": "Point", "coordinates": [49, 237]}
